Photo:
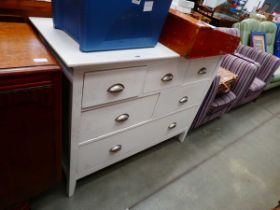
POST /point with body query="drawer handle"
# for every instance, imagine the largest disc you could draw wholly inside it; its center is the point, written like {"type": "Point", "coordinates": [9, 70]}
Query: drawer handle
{"type": "Point", "coordinates": [172, 126]}
{"type": "Point", "coordinates": [116, 149]}
{"type": "Point", "coordinates": [184, 100]}
{"type": "Point", "coordinates": [167, 78]}
{"type": "Point", "coordinates": [116, 88]}
{"type": "Point", "coordinates": [122, 118]}
{"type": "Point", "coordinates": [202, 71]}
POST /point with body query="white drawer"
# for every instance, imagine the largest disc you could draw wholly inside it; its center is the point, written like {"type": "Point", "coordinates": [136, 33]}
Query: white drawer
{"type": "Point", "coordinates": [201, 68]}
{"type": "Point", "coordinates": [163, 74]}
{"type": "Point", "coordinates": [112, 118]}
{"type": "Point", "coordinates": [96, 155]}
{"type": "Point", "coordinates": [107, 86]}
{"type": "Point", "coordinates": [182, 97]}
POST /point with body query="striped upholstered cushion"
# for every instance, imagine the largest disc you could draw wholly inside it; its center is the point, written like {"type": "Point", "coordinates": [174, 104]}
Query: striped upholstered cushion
{"type": "Point", "coordinates": [257, 85]}
{"type": "Point", "coordinates": [208, 100]}
{"type": "Point", "coordinates": [268, 63]}
{"type": "Point", "coordinates": [247, 59]}
{"type": "Point", "coordinates": [222, 101]}
{"type": "Point", "coordinates": [246, 73]}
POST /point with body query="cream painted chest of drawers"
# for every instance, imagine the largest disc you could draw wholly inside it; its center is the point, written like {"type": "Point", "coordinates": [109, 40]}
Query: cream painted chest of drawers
{"type": "Point", "coordinates": [123, 102]}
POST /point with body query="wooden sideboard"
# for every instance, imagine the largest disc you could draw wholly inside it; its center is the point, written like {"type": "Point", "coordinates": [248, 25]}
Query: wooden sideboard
{"type": "Point", "coordinates": [30, 110]}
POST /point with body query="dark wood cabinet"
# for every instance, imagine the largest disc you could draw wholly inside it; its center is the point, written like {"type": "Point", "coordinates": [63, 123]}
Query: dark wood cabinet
{"type": "Point", "coordinates": [30, 116]}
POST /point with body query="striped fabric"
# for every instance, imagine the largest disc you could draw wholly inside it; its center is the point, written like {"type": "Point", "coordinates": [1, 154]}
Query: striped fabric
{"type": "Point", "coordinates": [215, 105]}
{"type": "Point", "coordinates": [247, 59]}
{"type": "Point", "coordinates": [257, 85]}
{"type": "Point", "coordinates": [222, 102]}
{"type": "Point", "coordinates": [251, 96]}
{"type": "Point", "coordinates": [269, 63]}
{"type": "Point", "coordinates": [208, 100]}
{"type": "Point", "coordinates": [254, 92]}
{"type": "Point", "coordinates": [246, 73]}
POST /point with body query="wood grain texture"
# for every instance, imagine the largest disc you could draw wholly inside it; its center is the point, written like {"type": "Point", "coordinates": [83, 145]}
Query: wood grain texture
{"type": "Point", "coordinates": [30, 152]}
{"type": "Point", "coordinates": [195, 39]}
{"type": "Point", "coordinates": [19, 46]}
{"type": "Point", "coordinates": [30, 122]}
{"type": "Point", "coordinates": [26, 8]}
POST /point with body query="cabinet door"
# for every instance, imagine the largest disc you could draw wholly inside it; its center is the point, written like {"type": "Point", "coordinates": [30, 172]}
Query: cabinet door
{"type": "Point", "coordinates": [28, 155]}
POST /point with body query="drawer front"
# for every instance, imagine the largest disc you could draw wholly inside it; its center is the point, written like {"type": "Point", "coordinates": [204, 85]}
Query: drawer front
{"type": "Point", "coordinates": [108, 119]}
{"type": "Point", "coordinates": [163, 74]}
{"type": "Point", "coordinates": [108, 86]}
{"type": "Point", "coordinates": [182, 97]}
{"type": "Point", "coordinates": [96, 155]}
{"type": "Point", "coordinates": [202, 68]}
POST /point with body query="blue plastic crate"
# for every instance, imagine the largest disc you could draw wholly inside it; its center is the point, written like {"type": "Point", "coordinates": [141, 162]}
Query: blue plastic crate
{"type": "Point", "coordinates": [113, 24]}
{"type": "Point", "coordinates": [277, 42]}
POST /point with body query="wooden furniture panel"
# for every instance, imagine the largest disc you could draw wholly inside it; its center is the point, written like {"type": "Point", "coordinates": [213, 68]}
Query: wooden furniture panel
{"type": "Point", "coordinates": [21, 49]}
{"type": "Point", "coordinates": [26, 8]}
{"type": "Point", "coordinates": [30, 122]}
{"type": "Point", "coordinates": [30, 138]}
{"type": "Point", "coordinates": [194, 39]}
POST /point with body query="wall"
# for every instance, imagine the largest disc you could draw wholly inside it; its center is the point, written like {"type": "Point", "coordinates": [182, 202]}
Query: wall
{"type": "Point", "coordinates": [250, 4]}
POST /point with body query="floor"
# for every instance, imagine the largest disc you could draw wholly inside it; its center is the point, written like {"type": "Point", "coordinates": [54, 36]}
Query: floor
{"type": "Point", "coordinates": [231, 163]}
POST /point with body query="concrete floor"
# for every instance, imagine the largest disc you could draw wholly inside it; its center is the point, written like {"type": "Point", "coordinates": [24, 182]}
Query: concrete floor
{"type": "Point", "coordinates": [229, 164]}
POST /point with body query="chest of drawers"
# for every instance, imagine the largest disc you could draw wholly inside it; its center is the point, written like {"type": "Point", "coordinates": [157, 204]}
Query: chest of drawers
{"type": "Point", "coordinates": [122, 102]}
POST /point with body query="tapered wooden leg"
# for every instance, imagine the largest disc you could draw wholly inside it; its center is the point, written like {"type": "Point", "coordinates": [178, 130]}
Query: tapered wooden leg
{"type": "Point", "coordinates": [71, 187]}
{"type": "Point", "coordinates": [182, 136]}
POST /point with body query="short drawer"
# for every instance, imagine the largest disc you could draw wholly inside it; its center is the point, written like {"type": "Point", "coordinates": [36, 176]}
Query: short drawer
{"type": "Point", "coordinates": [113, 85]}
{"type": "Point", "coordinates": [112, 118]}
{"type": "Point", "coordinates": [96, 155]}
{"type": "Point", "coordinates": [163, 74]}
{"type": "Point", "coordinates": [201, 68]}
{"type": "Point", "coordinates": [182, 97]}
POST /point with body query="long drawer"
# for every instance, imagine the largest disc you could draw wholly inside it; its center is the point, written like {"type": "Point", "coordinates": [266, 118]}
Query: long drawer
{"type": "Point", "coordinates": [105, 120]}
{"type": "Point", "coordinates": [96, 155]}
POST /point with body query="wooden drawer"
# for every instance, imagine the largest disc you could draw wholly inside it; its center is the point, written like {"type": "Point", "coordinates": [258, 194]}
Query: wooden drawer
{"type": "Point", "coordinates": [96, 155]}
{"type": "Point", "coordinates": [163, 74]}
{"type": "Point", "coordinates": [112, 118]}
{"type": "Point", "coordinates": [200, 69]}
{"type": "Point", "coordinates": [108, 86]}
{"type": "Point", "coordinates": [182, 97]}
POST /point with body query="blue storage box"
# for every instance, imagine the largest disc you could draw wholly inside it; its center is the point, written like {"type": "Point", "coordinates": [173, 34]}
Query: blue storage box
{"type": "Point", "coordinates": [277, 41]}
{"type": "Point", "coordinates": [113, 24]}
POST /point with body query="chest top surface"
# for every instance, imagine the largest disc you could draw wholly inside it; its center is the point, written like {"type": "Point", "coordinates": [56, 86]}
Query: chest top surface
{"type": "Point", "coordinates": [20, 47]}
{"type": "Point", "coordinates": [69, 52]}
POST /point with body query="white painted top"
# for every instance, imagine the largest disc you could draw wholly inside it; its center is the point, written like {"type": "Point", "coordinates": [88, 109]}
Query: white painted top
{"type": "Point", "coordinates": [68, 49]}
